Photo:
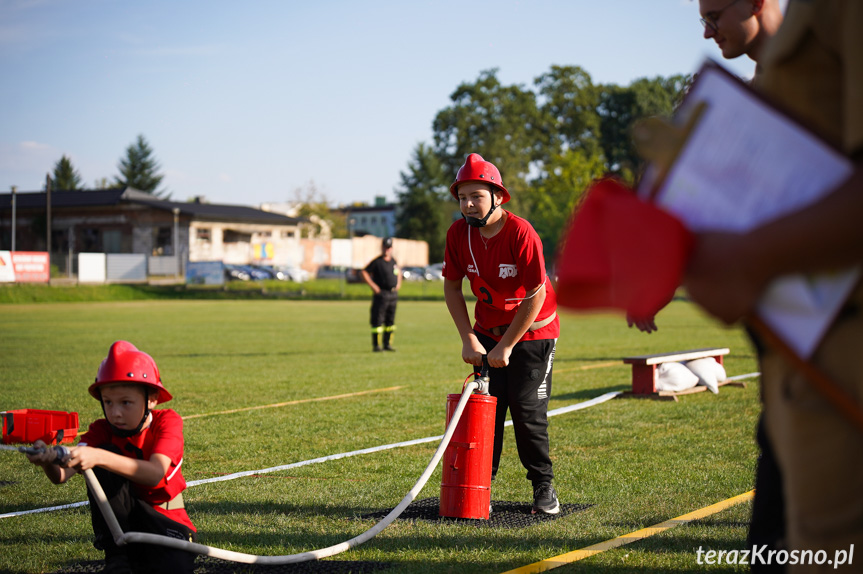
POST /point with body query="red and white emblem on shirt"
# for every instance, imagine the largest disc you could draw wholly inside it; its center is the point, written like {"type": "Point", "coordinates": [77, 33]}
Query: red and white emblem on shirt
{"type": "Point", "coordinates": [507, 270]}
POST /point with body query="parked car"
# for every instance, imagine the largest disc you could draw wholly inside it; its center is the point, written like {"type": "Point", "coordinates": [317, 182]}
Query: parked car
{"type": "Point", "coordinates": [263, 271]}
{"type": "Point", "coordinates": [255, 273]}
{"type": "Point", "coordinates": [413, 273]}
{"type": "Point", "coordinates": [236, 273]}
{"type": "Point", "coordinates": [354, 275]}
{"type": "Point", "coordinates": [434, 272]}
{"type": "Point", "coordinates": [285, 273]}
{"type": "Point", "coordinates": [331, 272]}
{"type": "Point", "coordinates": [292, 273]}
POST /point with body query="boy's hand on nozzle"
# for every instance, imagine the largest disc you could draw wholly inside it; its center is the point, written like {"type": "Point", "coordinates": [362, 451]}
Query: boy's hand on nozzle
{"type": "Point", "coordinates": [472, 351]}
{"type": "Point", "coordinates": [38, 454]}
{"type": "Point", "coordinates": [85, 457]}
{"type": "Point", "coordinates": [499, 356]}
{"type": "Point", "coordinates": [43, 455]}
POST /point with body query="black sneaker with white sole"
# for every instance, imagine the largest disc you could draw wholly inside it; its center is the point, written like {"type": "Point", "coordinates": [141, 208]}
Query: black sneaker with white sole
{"type": "Point", "coordinates": [545, 499]}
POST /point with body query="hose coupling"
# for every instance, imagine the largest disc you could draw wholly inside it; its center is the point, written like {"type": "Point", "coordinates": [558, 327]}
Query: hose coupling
{"type": "Point", "coordinates": [482, 384]}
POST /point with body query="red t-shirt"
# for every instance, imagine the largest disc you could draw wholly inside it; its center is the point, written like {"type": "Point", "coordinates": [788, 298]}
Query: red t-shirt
{"type": "Point", "coordinates": [163, 436]}
{"type": "Point", "coordinates": [500, 271]}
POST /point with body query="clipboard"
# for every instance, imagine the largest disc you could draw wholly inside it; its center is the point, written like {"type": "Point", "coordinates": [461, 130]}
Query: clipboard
{"type": "Point", "coordinates": [731, 141]}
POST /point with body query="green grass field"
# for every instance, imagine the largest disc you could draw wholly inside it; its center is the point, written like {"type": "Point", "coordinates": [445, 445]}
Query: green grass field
{"type": "Point", "coordinates": [638, 462]}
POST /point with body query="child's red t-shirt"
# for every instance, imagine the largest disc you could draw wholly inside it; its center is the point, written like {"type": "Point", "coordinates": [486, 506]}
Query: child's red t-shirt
{"type": "Point", "coordinates": [500, 270]}
{"type": "Point", "coordinates": [163, 436]}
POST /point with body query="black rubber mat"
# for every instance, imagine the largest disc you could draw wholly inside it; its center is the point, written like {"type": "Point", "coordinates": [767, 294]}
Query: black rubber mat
{"type": "Point", "coordinates": [505, 514]}
{"type": "Point", "coordinates": [207, 565]}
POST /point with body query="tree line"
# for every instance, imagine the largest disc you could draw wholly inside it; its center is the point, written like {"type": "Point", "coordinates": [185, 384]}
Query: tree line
{"type": "Point", "coordinates": [549, 141]}
{"type": "Point", "coordinates": [138, 169]}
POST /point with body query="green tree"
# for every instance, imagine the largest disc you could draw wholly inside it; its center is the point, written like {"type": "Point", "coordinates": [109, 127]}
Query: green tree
{"type": "Point", "coordinates": [314, 205]}
{"type": "Point", "coordinates": [556, 194]}
{"type": "Point", "coordinates": [139, 169]}
{"type": "Point", "coordinates": [66, 177]}
{"type": "Point", "coordinates": [424, 205]}
{"type": "Point", "coordinates": [501, 123]}
{"type": "Point", "coordinates": [569, 102]}
{"type": "Point", "coordinates": [549, 144]}
{"type": "Point", "coordinates": [619, 108]}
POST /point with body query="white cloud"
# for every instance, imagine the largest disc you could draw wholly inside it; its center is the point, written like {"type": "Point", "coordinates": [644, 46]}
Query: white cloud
{"type": "Point", "coordinates": [28, 146]}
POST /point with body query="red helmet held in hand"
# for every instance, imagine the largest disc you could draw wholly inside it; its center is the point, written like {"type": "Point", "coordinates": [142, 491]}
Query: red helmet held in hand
{"type": "Point", "coordinates": [477, 169]}
{"type": "Point", "coordinates": [126, 364]}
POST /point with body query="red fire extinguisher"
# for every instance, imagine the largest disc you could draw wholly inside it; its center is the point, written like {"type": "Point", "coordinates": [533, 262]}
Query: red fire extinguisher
{"type": "Point", "coordinates": [465, 490]}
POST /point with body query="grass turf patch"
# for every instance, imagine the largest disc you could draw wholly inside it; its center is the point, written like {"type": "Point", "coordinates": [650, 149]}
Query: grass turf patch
{"type": "Point", "coordinates": [637, 462]}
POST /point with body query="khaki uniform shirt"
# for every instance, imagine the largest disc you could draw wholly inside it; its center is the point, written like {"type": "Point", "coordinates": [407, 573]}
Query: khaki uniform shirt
{"type": "Point", "coordinates": [813, 68]}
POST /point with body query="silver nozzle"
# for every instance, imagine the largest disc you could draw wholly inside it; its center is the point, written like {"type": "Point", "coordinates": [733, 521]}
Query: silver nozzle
{"type": "Point", "coordinates": [482, 384]}
{"type": "Point", "coordinates": [62, 454]}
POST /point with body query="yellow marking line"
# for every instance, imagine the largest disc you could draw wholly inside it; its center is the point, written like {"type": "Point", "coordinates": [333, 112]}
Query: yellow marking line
{"type": "Point", "coordinates": [297, 402]}
{"type": "Point", "coordinates": [589, 551]}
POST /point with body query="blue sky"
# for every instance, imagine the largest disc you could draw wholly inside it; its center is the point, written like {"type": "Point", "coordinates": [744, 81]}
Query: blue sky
{"type": "Point", "coordinates": [244, 102]}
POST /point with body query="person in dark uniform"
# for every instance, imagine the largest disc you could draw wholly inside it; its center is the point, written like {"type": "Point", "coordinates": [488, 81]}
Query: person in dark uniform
{"type": "Point", "coordinates": [383, 276]}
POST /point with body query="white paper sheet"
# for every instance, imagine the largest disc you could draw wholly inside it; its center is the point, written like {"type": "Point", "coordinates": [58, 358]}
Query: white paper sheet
{"type": "Point", "coordinates": [743, 165]}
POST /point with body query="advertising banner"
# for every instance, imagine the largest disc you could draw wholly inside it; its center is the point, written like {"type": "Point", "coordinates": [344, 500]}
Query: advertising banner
{"type": "Point", "coordinates": [24, 266]}
{"type": "Point", "coordinates": [7, 272]}
{"type": "Point", "coordinates": [205, 273]}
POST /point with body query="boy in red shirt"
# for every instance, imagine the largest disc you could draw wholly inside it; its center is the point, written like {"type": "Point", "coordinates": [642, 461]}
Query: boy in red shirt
{"type": "Point", "coordinates": [136, 454]}
{"type": "Point", "coordinates": [516, 315]}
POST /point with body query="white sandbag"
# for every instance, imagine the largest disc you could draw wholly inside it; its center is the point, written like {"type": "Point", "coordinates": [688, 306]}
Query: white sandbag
{"type": "Point", "coordinates": [708, 371]}
{"type": "Point", "coordinates": [674, 377]}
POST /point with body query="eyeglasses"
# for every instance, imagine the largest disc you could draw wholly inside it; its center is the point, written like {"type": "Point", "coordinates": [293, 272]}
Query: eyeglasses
{"type": "Point", "coordinates": [711, 19]}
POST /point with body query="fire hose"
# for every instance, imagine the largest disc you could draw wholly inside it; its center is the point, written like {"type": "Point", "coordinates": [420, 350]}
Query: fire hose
{"type": "Point", "coordinates": [480, 385]}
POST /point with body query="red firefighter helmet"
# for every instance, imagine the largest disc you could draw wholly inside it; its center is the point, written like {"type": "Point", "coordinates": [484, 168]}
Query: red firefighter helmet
{"type": "Point", "coordinates": [126, 364]}
{"type": "Point", "coordinates": [477, 169]}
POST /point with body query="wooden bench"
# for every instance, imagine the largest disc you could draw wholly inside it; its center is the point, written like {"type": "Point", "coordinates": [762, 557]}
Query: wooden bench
{"type": "Point", "coordinates": [644, 370]}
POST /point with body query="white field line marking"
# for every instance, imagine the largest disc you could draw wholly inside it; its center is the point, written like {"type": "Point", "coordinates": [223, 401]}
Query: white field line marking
{"type": "Point", "coordinates": [741, 377]}
{"type": "Point", "coordinates": [560, 411]}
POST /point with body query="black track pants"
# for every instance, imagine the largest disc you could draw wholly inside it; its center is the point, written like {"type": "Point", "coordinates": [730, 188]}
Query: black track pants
{"type": "Point", "coordinates": [523, 388]}
{"type": "Point", "coordinates": [136, 515]}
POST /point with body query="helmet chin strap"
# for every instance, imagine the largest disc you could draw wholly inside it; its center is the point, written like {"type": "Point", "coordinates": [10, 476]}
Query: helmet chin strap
{"type": "Point", "coordinates": [476, 222]}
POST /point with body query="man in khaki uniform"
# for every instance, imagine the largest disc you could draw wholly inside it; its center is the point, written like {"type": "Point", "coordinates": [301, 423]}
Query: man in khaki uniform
{"type": "Point", "coordinates": [741, 27]}
{"type": "Point", "coordinates": [813, 68]}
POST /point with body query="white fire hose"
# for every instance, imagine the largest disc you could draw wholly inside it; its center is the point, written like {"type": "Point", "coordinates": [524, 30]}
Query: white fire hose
{"type": "Point", "coordinates": [122, 538]}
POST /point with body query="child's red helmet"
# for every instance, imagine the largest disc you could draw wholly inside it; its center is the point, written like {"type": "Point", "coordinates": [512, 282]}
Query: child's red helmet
{"type": "Point", "coordinates": [126, 364]}
{"type": "Point", "coordinates": [477, 169]}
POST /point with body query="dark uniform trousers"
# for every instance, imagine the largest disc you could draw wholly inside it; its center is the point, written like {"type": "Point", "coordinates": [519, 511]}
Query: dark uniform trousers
{"type": "Point", "coordinates": [384, 308]}
{"type": "Point", "coordinates": [135, 515]}
{"type": "Point", "coordinates": [524, 387]}
{"type": "Point", "coordinates": [383, 317]}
